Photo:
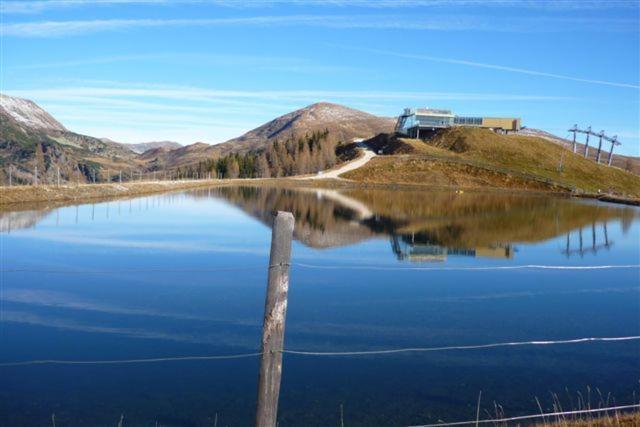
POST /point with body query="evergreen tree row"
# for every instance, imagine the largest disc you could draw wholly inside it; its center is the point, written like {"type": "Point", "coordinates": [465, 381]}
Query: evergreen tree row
{"type": "Point", "coordinates": [309, 154]}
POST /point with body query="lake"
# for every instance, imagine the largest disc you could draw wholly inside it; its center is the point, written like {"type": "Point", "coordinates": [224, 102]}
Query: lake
{"type": "Point", "coordinates": [184, 274]}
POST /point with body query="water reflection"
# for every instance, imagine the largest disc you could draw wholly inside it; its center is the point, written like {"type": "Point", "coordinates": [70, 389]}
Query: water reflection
{"type": "Point", "coordinates": [421, 226]}
{"type": "Point", "coordinates": [427, 227]}
{"type": "Point", "coordinates": [151, 277]}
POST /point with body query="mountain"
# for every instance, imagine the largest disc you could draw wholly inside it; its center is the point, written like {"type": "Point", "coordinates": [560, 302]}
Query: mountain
{"type": "Point", "coordinates": [343, 123]}
{"type": "Point", "coordinates": [141, 147]}
{"type": "Point", "coordinates": [27, 113]}
{"type": "Point", "coordinates": [31, 138]}
{"type": "Point", "coordinates": [166, 158]}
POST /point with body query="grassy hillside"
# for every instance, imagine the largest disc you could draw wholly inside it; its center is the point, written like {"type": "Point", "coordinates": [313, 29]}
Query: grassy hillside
{"type": "Point", "coordinates": [469, 157]}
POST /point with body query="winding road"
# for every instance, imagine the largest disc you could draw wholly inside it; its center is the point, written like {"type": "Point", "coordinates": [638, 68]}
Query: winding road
{"type": "Point", "coordinates": [367, 154]}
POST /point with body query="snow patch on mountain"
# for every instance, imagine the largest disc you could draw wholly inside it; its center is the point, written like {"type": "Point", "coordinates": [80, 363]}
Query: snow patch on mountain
{"type": "Point", "coordinates": [28, 113]}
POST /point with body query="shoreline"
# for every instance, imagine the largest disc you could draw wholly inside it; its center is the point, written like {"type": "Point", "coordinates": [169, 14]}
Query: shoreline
{"type": "Point", "coordinates": [21, 197]}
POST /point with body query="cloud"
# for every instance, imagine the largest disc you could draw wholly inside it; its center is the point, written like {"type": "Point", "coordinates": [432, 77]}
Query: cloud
{"type": "Point", "coordinates": [256, 62]}
{"type": "Point", "coordinates": [217, 95]}
{"type": "Point", "coordinates": [381, 22]}
{"type": "Point", "coordinates": [42, 6]}
{"type": "Point", "coordinates": [495, 67]}
{"type": "Point", "coordinates": [187, 114]}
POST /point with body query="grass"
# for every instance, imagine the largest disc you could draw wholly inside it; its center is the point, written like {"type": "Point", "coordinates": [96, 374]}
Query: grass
{"type": "Point", "coordinates": [474, 158]}
{"type": "Point", "coordinates": [615, 420]}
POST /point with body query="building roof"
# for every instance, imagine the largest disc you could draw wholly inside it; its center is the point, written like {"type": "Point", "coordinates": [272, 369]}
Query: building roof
{"type": "Point", "coordinates": [433, 112]}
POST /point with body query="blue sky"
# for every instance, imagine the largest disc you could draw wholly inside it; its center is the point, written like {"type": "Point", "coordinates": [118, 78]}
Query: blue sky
{"type": "Point", "coordinates": [210, 70]}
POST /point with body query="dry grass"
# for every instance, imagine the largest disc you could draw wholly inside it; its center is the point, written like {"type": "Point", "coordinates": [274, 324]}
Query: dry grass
{"type": "Point", "coordinates": [84, 192]}
{"type": "Point", "coordinates": [476, 158]}
{"type": "Point", "coordinates": [615, 420]}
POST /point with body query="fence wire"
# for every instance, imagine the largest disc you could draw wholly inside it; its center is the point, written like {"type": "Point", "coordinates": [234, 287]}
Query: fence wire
{"type": "Point", "coordinates": [322, 267]}
{"type": "Point", "coordinates": [530, 417]}
{"type": "Point", "coordinates": [321, 353]}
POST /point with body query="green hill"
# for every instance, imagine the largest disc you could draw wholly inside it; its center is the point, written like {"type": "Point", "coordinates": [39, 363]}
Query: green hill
{"type": "Point", "coordinates": [471, 157]}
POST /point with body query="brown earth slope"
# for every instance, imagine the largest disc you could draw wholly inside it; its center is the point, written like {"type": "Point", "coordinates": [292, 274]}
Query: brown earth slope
{"type": "Point", "coordinates": [469, 157]}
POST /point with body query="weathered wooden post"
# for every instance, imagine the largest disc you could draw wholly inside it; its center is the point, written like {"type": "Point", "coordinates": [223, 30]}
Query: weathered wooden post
{"type": "Point", "coordinates": [10, 170]}
{"type": "Point", "coordinates": [275, 312]}
{"type": "Point", "coordinates": [35, 176]}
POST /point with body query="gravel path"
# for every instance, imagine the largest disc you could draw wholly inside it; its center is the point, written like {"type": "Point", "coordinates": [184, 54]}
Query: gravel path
{"type": "Point", "coordinates": [367, 155]}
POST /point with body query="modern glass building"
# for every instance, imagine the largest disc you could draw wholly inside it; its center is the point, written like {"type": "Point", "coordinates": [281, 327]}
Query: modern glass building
{"type": "Point", "coordinates": [421, 122]}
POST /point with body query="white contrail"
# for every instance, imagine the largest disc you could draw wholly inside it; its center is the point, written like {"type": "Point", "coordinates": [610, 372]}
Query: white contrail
{"type": "Point", "coordinates": [496, 67]}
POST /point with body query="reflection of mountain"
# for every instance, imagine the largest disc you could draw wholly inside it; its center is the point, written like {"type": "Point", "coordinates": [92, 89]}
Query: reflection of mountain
{"type": "Point", "coordinates": [24, 219]}
{"type": "Point", "coordinates": [422, 226]}
{"type": "Point", "coordinates": [323, 218]}
{"type": "Point", "coordinates": [426, 226]}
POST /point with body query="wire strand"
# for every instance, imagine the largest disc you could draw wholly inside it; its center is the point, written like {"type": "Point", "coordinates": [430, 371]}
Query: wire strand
{"type": "Point", "coordinates": [313, 353]}
{"type": "Point", "coordinates": [527, 417]}
{"type": "Point", "coordinates": [503, 267]}
{"type": "Point", "coordinates": [129, 361]}
{"type": "Point", "coordinates": [457, 347]}
{"type": "Point", "coordinates": [322, 267]}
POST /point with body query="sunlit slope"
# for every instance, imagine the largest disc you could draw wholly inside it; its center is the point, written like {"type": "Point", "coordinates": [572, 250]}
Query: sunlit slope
{"type": "Point", "coordinates": [469, 157]}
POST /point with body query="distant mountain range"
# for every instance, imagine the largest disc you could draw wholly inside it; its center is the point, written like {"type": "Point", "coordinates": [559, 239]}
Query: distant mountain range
{"type": "Point", "coordinates": [141, 147]}
{"type": "Point", "coordinates": [30, 137]}
{"type": "Point", "coordinates": [343, 124]}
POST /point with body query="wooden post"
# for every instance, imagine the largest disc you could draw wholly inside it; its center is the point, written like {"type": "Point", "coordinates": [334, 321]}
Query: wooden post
{"type": "Point", "coordinates": [10, 170]}
{"type": "Point", "coordinates": [58, 173]}
{"type": "Point", "coordinates": [275, 312]}
{"type": "Point", "coordinates": [35, 176]}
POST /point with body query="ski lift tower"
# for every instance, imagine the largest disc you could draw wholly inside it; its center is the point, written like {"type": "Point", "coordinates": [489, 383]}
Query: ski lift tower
{"type": "Point", "coordinates": [601, 136]}
{"type": "Point", "coordinates": [614, 142]}
{"type": "Point", "coordinates": [586, 144]}
{"type": "Point", "coordinates": [575, 130]}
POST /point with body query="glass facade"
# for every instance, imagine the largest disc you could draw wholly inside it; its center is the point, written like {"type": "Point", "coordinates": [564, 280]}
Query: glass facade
{"type": "Point", "coordinates": [424, 120]}
{"type": "Point", "coordinates": [468, 121]}
{"type": "Point", "coordinates": [434, 121]}
{"type": "Point", "coordinates": [428, 118]}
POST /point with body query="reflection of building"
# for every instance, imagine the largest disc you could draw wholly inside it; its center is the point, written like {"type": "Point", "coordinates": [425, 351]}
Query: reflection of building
{"type": "Point", "coordinates": [407, 247]}
{"type": "Point", "coordinates": [423, 121]}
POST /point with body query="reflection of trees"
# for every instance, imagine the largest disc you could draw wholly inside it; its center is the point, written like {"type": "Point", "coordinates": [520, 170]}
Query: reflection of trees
{"type": "Point", "coordinates": [320, 220]}
{"type": "Point", "coordinates": [425, 225]}
{"type": "Point", "coordinates": [464, 220]}
{"type": "Point", "coordinates": [22, 219]}
{"type": "Point", "coordinates": [421, 224]}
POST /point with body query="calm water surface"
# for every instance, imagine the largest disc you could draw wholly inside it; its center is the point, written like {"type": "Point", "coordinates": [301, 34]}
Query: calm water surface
{"type": "Point", "coordinates": [148, 278]}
